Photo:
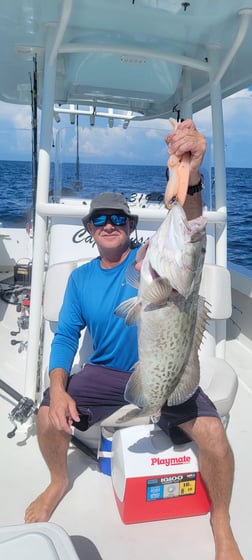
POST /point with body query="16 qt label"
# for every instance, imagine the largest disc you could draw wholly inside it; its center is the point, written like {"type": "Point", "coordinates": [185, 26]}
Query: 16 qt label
{"type": "Point", "coordinates": [172, 486]}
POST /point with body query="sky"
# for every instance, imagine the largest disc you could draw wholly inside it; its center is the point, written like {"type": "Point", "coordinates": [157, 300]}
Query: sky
{"type": "Point", "coordinates": [142, 143]}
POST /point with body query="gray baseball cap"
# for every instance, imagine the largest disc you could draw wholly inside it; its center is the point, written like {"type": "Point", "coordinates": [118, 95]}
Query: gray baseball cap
{"type": "Point", "coordinates": [109, 201]}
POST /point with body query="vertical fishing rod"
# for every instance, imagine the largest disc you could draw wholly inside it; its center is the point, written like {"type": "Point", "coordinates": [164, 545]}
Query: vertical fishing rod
{"type": "Point", "coordinates": [77, 185]}
{"type": "Point", "coordinates": [34, 106]}
{"type": "Point", "coordinates": [77, 169]}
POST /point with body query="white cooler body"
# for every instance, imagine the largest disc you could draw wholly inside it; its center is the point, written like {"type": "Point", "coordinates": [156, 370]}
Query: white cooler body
{"type": "Point", "coordinates": [153, 479]}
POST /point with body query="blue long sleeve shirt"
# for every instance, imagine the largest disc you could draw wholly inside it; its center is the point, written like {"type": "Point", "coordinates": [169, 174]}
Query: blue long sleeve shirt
{"type": "Point", "coordinates": [91, 296]}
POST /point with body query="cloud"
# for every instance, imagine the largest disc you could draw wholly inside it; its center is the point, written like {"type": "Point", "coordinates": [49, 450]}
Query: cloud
{"type": "Point", "coordinates": [142, 143]}
{"type": "Point", "coordinates": [237, 115]}
{"type": "Point", "coordinates": [237, 110]}
{"type": "Point", "coordinates": [15, 116]}
{"type": "Point", "coordinates": [115, 145]}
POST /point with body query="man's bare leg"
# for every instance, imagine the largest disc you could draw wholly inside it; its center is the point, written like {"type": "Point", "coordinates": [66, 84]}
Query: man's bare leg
{"type": "Point", "coordinates": [217, 470]}
{"type": "Point", "coordinates": [54, 446]}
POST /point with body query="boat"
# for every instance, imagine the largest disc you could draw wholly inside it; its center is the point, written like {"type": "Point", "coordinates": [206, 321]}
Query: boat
{"type": "Point", "coordinates": [124, 61]}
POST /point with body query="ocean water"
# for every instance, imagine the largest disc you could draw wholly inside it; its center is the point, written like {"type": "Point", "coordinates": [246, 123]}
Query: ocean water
{"type": "Point", "coordinates": [17, 196]}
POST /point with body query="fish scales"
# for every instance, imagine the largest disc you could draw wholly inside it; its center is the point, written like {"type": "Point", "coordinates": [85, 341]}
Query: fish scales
{"type": "Point", "coordinates": [170, 314]}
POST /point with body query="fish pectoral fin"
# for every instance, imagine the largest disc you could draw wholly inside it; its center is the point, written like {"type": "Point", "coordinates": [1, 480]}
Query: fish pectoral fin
{"type": "Point", "coordinates": [129, 310]}
{"type": "Point", "coordinates": [158, 292]}
{"type": "Point", "coordinates": [133, 276]}
{"type": "Point", "coordinates": [134, 390]}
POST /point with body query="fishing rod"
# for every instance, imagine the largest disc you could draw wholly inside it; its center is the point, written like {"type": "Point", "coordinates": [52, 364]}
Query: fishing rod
{"type": "Point", "coordinates": [34, 107]}
{"type": "Point", "coordinates": [24, 408]}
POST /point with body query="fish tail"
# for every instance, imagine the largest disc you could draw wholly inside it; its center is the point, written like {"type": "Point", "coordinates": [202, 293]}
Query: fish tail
{"type": "Point", "coordinates": [179, 176]}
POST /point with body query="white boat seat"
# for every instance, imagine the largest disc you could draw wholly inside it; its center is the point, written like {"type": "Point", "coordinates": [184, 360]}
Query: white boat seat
{"type": "Point", "coordinates": [217, 377]}
{"type": "Point", "coordinates": [215, 287]}
{"type": "Point", "coordinates": [56, 280]}
{"type": "Point", "coordinates": [219, 381]}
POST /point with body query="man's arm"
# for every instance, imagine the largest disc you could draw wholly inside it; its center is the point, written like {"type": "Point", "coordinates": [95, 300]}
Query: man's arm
{"type": "Point", "coordinates": [70, 324]}
{"type": "Point", "coordinates": [193, 206]}
{"type": "Point", "coordinates": [62, 409]}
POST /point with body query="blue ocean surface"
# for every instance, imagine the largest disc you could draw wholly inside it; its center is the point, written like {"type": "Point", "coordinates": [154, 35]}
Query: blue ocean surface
{"type": "Point", "coordinates": [17, 195]}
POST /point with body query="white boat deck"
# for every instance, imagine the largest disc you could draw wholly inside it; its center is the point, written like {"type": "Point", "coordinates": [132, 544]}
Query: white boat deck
{"type": "Point", "coordinates": [89, 512]}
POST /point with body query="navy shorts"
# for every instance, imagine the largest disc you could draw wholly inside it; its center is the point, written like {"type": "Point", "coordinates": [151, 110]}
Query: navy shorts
{"type": "Point", "coordinates": [99, 391]}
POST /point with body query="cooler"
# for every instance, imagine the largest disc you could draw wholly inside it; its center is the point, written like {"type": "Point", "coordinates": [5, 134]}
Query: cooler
{"type": "Point", "coordinates": [43, 541]}
{"type": "Point", "coordinates": [153, 479]}
{"type": "Point", "coordinates": [105, 450]}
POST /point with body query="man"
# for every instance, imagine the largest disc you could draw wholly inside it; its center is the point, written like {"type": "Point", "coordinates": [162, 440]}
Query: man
{"type": "Point", "coordinates": [93, 292]}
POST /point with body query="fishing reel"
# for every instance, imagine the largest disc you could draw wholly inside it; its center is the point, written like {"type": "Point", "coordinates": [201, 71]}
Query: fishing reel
{"type": "Point", "coordinates": [22, 307]}
{"type": "Point", "coordinates": [24, 408]}
{"type": "Point", "coordinates": [20, 413]}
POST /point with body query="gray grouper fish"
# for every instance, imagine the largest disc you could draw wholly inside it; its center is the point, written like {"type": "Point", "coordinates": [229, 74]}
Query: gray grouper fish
{"type": "Point", "coordinates": [170, 314]}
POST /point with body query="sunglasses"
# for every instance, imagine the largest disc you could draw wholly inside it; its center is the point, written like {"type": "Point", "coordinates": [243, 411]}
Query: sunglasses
{"type": "Point", "coordinates": [114, 219]}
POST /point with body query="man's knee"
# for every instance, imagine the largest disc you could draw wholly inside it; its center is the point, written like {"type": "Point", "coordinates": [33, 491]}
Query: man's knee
{"type": "Point", "coordinates": [43, 419]}
{"type": "Point", "coordinates": [209, 434]}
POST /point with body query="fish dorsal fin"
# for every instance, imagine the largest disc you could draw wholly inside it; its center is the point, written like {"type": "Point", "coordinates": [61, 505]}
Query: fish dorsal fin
{"type": "Point", "coordinates": [201, 322]}
{"type": "Point", "coordinates": [133, 276]}
{"type": "Point", "coordinates": [129, 310]}
{"type": "Point", "coordinates": [158, 292]}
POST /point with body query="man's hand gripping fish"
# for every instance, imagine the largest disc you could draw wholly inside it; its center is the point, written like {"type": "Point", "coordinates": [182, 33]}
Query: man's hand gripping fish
{"type": "Point", "coordinates": [171, 315]}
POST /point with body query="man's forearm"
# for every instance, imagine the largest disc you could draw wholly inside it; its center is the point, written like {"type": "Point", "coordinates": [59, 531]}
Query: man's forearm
{"type": "Point", "coordinates": [193, 206]}
{"type": "Point", "coordinates": [193, 203]}
{"type": "Point", "coordinates": [58, 379]}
